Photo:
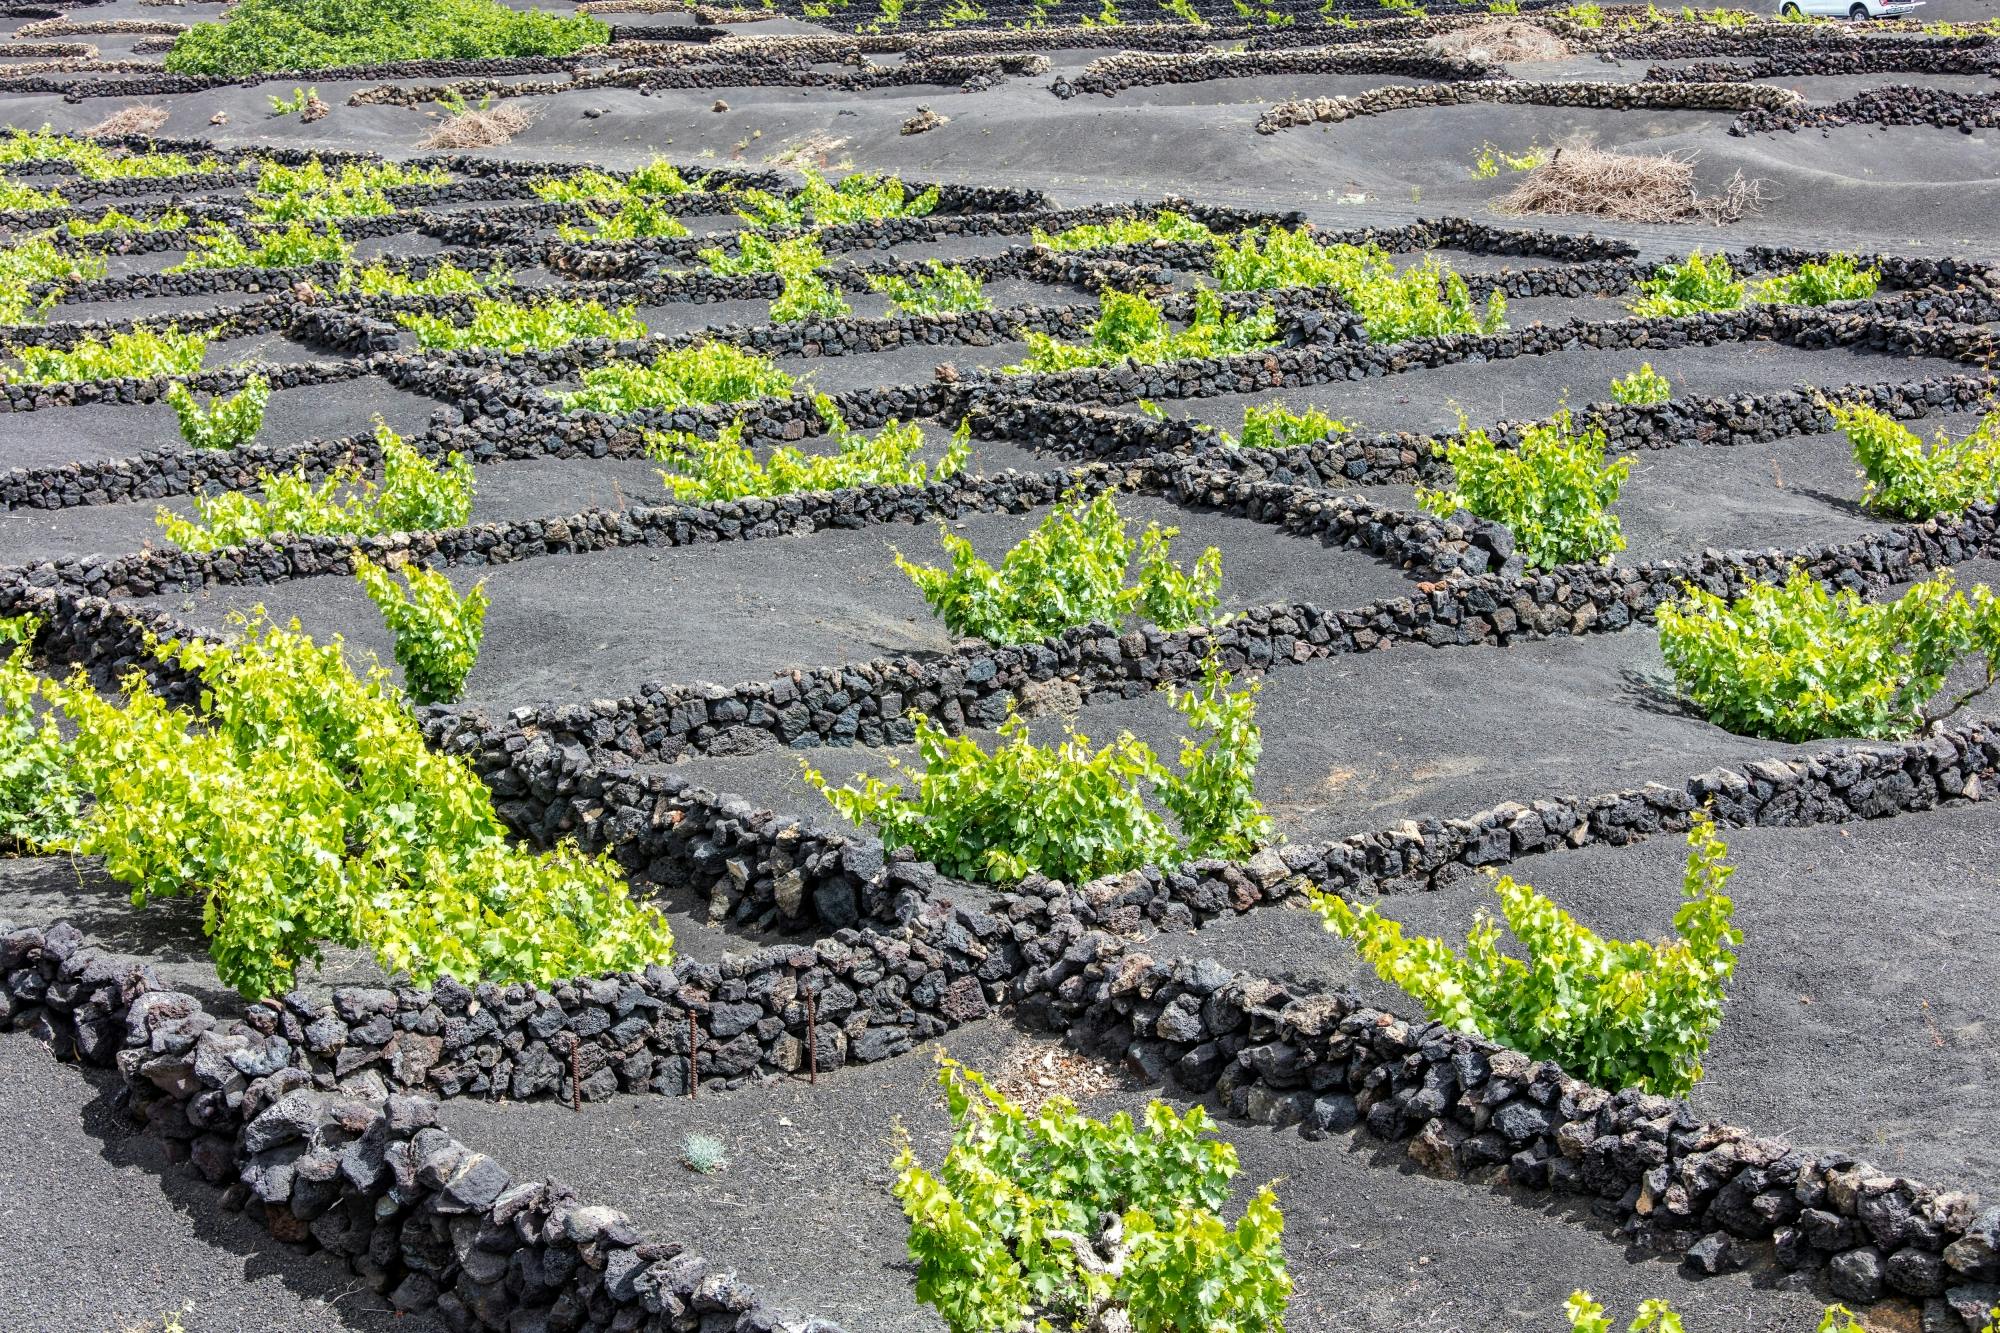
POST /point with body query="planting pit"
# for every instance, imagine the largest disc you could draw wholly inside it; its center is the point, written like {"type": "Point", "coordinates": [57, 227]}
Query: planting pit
{"type": "Point", "coordinates": [1887, 1059]}
{"type": "Point", "coordinates": [1358, 743]}
{"type": "Point", "coordinates": [52, 436]}
{"type": "Point", "coordinates": [740, 610]}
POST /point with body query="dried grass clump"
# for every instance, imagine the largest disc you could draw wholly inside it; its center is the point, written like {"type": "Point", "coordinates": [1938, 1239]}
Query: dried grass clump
{"type": "Point", "coordinates": [1627, 187]}
{"type": "Point", "coordinates": [1036, 1069]}
{"type": "Point", "coordinates": [479, 129]}
{"type": "Point", "coordinates": [128, 120]}
{"type": "Point", "coordinates": [1511, 41]}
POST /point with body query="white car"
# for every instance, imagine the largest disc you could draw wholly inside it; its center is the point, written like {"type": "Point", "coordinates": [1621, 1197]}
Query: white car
{"type": "Point", "coordinates": [1854, 9]}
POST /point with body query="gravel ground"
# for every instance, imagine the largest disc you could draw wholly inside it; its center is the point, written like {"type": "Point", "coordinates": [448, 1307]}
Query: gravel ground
{"type": "Point", "coordinates": [100, 1234]}
{"type": "Point", "coordinates": [597, 625]}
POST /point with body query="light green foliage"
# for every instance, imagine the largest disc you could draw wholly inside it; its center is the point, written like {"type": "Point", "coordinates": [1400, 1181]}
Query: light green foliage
{"type": "Point", "coordinates": [1699, 282]}
{"type": "Point", "coordinates": [93, 161]}
{"type": "Point", "coordinates": [227, 421]}
{"type": "Point", "coordinates": [1011, 1230]}
{"type": "Point", "coordinates": [514, 327]}
{"type": "Point", "coordinates": [311, 193]}
{"type": "Point", "coordinates": [1407, 8]}
{"type": "Point", "coordinates": [1839, 278]}
{"type": "Point", "coordinates": [1553, 490]}
{"type": "Point", "coordinates": [300, 804]}
{"type": "Point", "coordinates": [1644, 387]}
{"type": "Point", "coordinates": [1132, 327]}
{"type": "Point", "coordinates": [1586, 1315]}
{"type": "Point", "coordinates": [300, 99]}
{"type": "Point", "coordinates": [1794, 662]}
{"type": "Point", "coordinates": [709, 372]}
{"type": "Point", "coordinates": [1583, 15]}
{"type": "Point", "coordinates": [1073, 569]}
{"type": "Point", "coordinates": [38, 800]}
{"type": "Point", "coordinates": [437, 630]}
{"type": "Point", "coordinates": [1065, 810]}
{"type": "Point", "coordinates": [1491, 160]}
{"type": "Point", "coordinates": [1165, 227]}
{"type": "Point", "coordinates": [759, 254]}
{"type": "Point", "coordinates": [961, 11]}
{"type": "Point", "coordinates": [1278, 427]}
{"type": "Point", "coordinates": [414, 496]}
{"type": "Point", "coordinates": [704, 1154]}
{"type": "Point", "coordinates": [114, 219]}
{"type": "Point", "coordinates": [19, 195]}
{"type": "Point", "coordinates": [860, 197]}
{"type": "Point", "coordinates": [1106, 17]}
{"type": "Point", "coordinates": [941, 289]}
{"type": "Point", "coordinates": [806, 295]}
{"type": "Point", "coordinates": [637, 218]}
{"type": "Point", "coordinates": [1426, 301]}
{"type": "Point", "coordinates": [35, 261]}
{"type": "Point", "coordinates": [581, 187]}
{"type": "Point", "coordinates": [141, 354]}
{"type": "Point", "coordinates": [725, 468]}
{"type": "Point", "coordinates": [296, 245]}
{"type": "Point", "coordinates": [442, 279]}
{"type": "Point", "coordinates": [1612, 1012]}
{"type": "Point", "coordinates": [265, 36]}
{"type": "Point", "coordinates": [1910, 481]}
{"type": "Point", "coordinates": [1185, 11]}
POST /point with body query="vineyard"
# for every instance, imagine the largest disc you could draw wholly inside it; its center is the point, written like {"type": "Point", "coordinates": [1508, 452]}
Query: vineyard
{"type": "Point", "coordinates": [982, 666]}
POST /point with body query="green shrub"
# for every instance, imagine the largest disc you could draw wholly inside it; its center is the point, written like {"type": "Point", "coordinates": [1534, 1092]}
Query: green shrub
{"type": "Point", "coordinates": [637, 218]}
{"type": "Point", "coordinates": [806, 295]}
{"type": "Point", "coordinates": [1426, 301]}
{"type": "Point", "coordinates": [293, 247]}
{"type": "Point", "coordinates": [1073, 569]}
{"type": "Point", "coordinates": [36, 259]}
{"type": "Point", "coordinates": [270, 36]}
{"type": "Point", "coordinates": [941, 289]}
{"type": "Point", "coordinates": [759, 254]}
{"type": "Point", "coordinates": [114, 219]}
{"type": "Point", "coordinates": [1131, 327]}
{"type": "Point", "coordinates": [38, 799]}
{"type": "Point", "coordinates": [1644, 387]}
{"type": "Point", "coordinates": [442, 279]}
{"type": "Point", "coordinates": [1164, 227]}
{"type": "Point", "coordinates": [860, 197]}
{"type": "Point", "coordinates": [1699, 282]}
{"type": "Point", "coordinates": [510, 326]}
{"type": "Point", "coordinates": [1794, 662]}
{"type": "Point", "coordinates": [299, 802]}
{"type": "Point", "coordinates": [414, 496]}
{"type": "Point", "coordinates": [18, 196]}
{"type": "Point", "coordinates": [437, 630]}
{"type": "Point", "coordinates": [727, 469]}
{"type": "Point", "coordinates": [1840, 278]}
{"type": "Point", "coordinates": [1553, 490]}
{"type": "Point", "coordinates": [1612, 1012]}
{"type": "Point", "coordinates": [94, 162]}
{"type": "Point", "coordinates": [227, 421]}
{"type": "Point", "coordinates": [1066, 811]}
{"type": "Point", "coordinates": [658, 177]}
{"type": "Point", "coordinates": [709, 372]}
{"type": "Point", "coordinates": [1278, 427]}
{"type": "Point", "coordinates": [1908, 480]}
{"type": "Point", "coordinates": [300, 99]}
{"type": "Point", "coordinates": [141, 354]}
{"type": "Point", "coordinates": [1585, 1315]}
{"type": "Point", "coordinates": [311, 193]}
{"type": "Point", "coordinates": [1056, 1220]}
